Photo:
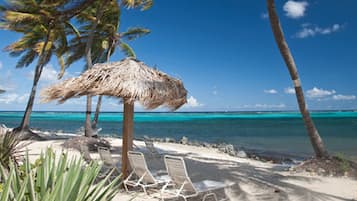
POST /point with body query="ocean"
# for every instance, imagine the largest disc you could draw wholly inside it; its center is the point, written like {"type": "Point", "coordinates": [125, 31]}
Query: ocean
{"type": "Point", "coordinates": [261, 132]}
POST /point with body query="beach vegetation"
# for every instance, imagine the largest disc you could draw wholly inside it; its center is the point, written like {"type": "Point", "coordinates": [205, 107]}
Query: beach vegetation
{"type": "Point", "coordinates": [344, 162]}
{"type": "Point", "coordinates": [56, 179]}
{"type": "Point", "coordinates": [315, 139]}
{"type": "Point", "coordinates": [9, 149]}
{"type": "Point", "coordinates": [44, 26]}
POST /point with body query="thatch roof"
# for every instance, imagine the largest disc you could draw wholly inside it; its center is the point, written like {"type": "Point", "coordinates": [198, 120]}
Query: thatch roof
{"type": "Point", "coordinates": [129, 79]}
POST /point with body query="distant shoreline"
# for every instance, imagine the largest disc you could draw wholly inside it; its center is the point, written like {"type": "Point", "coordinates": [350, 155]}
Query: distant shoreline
{"type": "Point", "coordinates": [234, 111]}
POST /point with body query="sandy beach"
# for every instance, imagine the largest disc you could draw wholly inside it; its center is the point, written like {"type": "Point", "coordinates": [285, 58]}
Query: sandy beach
{"type": "Point", "coordinates": [253, 180]}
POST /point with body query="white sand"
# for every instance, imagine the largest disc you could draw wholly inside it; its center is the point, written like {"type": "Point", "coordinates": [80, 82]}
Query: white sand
{"type": "Point", "coordinates": [254, 180]}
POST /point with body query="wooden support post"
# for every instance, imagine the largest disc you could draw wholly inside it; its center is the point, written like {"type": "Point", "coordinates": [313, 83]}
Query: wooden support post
{"type": "Point", "coordinates": [127, 135]}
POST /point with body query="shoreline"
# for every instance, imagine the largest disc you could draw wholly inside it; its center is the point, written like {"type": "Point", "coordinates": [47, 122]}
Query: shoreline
{"type": "Point", "coordinates": [253, 178]}
{"type": "Point", "coordinates": [229, 149]}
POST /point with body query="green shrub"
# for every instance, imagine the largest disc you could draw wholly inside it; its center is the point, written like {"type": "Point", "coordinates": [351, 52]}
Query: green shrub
{"type": "Point", "coordinates": [9, 148]}
{"type": "Point", "coordinates": [344, 164]}
{"type": "Point", "coordinates": [51, 179]}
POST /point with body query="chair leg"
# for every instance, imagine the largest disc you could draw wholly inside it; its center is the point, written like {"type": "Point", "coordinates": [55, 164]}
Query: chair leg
{"type": "Point", "coordinates": [210, 195]}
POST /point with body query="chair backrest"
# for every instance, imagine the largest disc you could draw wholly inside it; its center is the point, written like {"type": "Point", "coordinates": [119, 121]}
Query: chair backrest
{"type": "Point", "coordinates": [106, 156]}
{"type": "Point", "coordinates": [139, 166]}
{"type": "Point", "coordinates": [150, 146]}
{"type": "Point", "coordinates": [85, 153]}
{"type": "Point", "coordinates": [176, 168]}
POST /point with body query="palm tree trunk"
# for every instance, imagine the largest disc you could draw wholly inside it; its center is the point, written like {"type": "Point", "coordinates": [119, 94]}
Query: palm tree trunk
{"type": "Point", "coordinates": [24, 128]}
{"type": "Point", "coordinates": [99, 102]}
{"type": "Point", "coordinates": [88, 131]}
{"type": "Point", "coordinates": [127, 144]}
{"type": "Point", "coordinates": [96, 114]}
{"type": "Point", "coordinates": [312, 131]}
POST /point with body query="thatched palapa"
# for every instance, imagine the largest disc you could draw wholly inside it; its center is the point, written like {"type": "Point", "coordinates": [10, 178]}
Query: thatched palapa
{"type": "Point", "coordinates": [129, 79]}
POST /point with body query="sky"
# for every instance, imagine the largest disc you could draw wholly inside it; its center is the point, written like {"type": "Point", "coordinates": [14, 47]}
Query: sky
{"type": "Point", "coordinates": [226, 56]}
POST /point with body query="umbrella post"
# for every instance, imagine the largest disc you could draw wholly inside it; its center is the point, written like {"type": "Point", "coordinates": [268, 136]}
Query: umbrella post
{"type": "Point", "coordinates": [127, 135]}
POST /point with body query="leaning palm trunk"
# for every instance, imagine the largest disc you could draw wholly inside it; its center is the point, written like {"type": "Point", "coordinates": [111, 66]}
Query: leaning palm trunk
{"type": "Point", "coordinates": [97, 111]}
{"type": "Point", "coordinates": [315, 138]}
{"type": "Point", "coordinates": [88, 131]}
{"type": "Point", "coordinates": [99, 102]}
{"type": "Point", "coordinates": [24, 128]}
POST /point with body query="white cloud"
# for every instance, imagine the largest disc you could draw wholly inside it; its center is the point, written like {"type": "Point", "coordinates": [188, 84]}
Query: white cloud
{"type": "Point", "coordinates": [0, 65]}
{"type": "Point", "coordinates": [319, 93]}
{"type": "Point", "coordinates": [215, 91]}
{"type": "Point", "coordinates": [343, 97]}
{"type": "Point", "coordinates": [192, 102]}
{"type": "Point", "coordinates": [289, 90]}
{"type": "Point", "coordinates": [264, 15]}
{"type": "Point", "coordinates": [77, 101]}
{"type": "Point", "coordinates": [268, 106]}
{"type": "Point", "coordinates": [10, 98]}
{"type": "Point", "coordinates": [295, 9]}
{"type": "Point", "coordinates": [265, 106]}
{"type": "Point", "coordinates": [24, 98]}
{"type": "Point", "coordinates": [49, 75]}
{"type": "Point", "coordinates": [270, 91]}
{"type": "Point", "coordinates": [309, 30]}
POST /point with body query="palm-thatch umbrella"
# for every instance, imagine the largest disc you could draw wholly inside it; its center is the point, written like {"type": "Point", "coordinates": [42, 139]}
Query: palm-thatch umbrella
{"type": "Point", "coordinates": [128, 79]}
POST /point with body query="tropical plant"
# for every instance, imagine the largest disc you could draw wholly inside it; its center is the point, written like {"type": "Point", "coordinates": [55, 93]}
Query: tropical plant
{"type": "Point", "coordinates": [50, 179]}
{"type": "Point", "coordinates": [9, 148]}
{"type": "Point", "coordinates": [312, 131]}
{"type": "Point", "coordinates": [44, 26]}
{"type": "Point", "coordinates": [103, 41]}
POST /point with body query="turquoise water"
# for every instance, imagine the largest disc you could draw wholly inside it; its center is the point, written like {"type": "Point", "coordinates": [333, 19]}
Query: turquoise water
{"type": "Point", "coordinates": [280, 132]}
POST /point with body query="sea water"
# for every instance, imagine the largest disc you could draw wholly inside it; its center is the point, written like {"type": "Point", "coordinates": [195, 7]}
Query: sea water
{"type": "Point", "coordinates": [269, 132]}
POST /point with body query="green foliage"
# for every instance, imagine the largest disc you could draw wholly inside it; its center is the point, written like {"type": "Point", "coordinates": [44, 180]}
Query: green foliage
{"type": "Point", "coordinates": [9, 149]}
{"type": "Point", "coordinates": [344, 164]}
{"type": "Point", "coordinates": [51, 179]}
{"type": "Point", "coordinates": [144, 4]}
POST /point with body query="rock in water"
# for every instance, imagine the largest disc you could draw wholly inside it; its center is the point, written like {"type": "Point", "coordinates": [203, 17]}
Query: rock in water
{"type": "Point", "coordinates": [184, 140]}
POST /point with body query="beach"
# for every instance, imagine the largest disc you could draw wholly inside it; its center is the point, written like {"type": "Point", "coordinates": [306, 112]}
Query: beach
{"type": "Point", "coordinates": [248, 179]}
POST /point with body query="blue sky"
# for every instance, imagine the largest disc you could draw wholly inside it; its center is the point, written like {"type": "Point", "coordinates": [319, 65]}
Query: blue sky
{"type": "Point", "coordinates": [225, 53]}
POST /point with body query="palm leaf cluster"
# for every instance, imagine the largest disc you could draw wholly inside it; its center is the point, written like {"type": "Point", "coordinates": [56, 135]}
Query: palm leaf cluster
{"type": "Point", "coordinates": [50, 179]}
{"type": "Point", "coordinates": [41, 23]}
{"type": "Point", "coordinates": [47, 29]}
{"type": "Point", "coordinates": [106, 35]}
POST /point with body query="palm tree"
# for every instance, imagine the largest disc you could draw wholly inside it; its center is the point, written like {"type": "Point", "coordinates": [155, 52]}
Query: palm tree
{"type": "Point", "coordinates": [130, 34]}
{"type": "Point", "coordinates": [45, 26]}
{"type": "Point", "coordinates": [103, 39]}
{"type": "Point", "coordinates": [312, 131]}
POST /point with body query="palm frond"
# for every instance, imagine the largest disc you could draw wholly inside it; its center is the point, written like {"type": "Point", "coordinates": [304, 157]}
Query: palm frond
{"type": "Point", "coordinates": [134, 33]}
{"type": "Point", "coordinates": [143, 4]}
{"type": "Point", "coordinates": [74, 30]}
{"type": "Point", "coordinates": [26, 59]}
{"type": "Point", "coordinates": [127, 50]}
{"type": "Point", "coordinates": [18, 17]}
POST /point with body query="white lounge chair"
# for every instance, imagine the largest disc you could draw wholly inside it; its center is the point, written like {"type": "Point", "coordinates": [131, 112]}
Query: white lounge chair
{"type": "Point", "coordinates": [151, 148]}
{"type": "Point", "coordinates": [85, 153]}
{"type": "Point", "coordinates": [181, 185]}
{"type": "Point", "coordinates": [108, 161]}
{"type": "Point", "coordinates": [140, 175]}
